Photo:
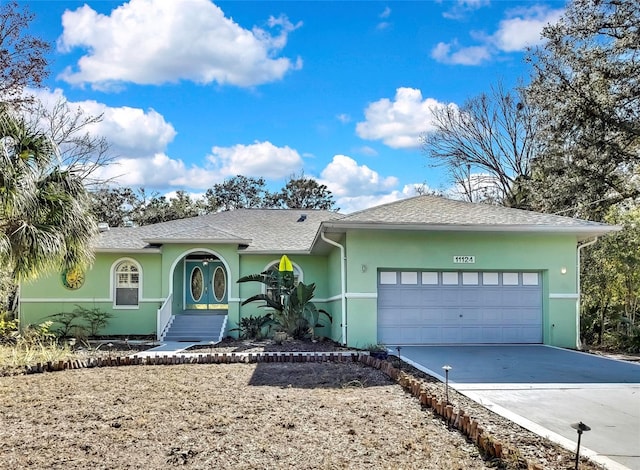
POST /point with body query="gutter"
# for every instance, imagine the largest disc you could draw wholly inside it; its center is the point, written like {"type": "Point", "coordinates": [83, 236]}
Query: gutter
{"type": "Point", "coordinates": [343, 284]}
{"type": "Point", "coordinates": [578, 289]}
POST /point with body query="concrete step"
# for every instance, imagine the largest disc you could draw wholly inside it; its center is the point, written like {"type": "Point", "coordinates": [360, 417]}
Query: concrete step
{"type": "Point", "coordinates": [196, 327]}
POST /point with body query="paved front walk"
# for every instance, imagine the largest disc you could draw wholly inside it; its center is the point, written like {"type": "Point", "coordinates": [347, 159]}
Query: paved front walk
{"type": "Point", "coordinates": [545, 389]}
{"type": "Point", "coordinates": [169, 348]}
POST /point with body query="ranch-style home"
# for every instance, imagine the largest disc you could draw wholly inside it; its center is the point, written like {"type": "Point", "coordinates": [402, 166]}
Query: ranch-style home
{"type": "Point", "coordinates": [423, 270]}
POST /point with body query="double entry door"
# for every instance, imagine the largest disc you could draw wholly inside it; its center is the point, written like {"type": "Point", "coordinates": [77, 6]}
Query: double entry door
{"type": "Point", "coordinates": [205, 285]}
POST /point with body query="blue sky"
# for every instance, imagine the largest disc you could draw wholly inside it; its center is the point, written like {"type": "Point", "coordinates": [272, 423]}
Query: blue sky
{"type": "Point", "coordinates": [194, 92]}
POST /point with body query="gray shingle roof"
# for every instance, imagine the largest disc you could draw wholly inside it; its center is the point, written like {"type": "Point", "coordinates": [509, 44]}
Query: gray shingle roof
{"type": "Point", "coordinates": [269, 230]}
{"type": "Point", "coordinates": [433, 211]}
{"type": "Point", "coordinates": [279, 231]}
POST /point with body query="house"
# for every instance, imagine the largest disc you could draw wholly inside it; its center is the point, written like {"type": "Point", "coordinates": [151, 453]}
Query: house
{"type": "Point", "coordinates": [423, 270]}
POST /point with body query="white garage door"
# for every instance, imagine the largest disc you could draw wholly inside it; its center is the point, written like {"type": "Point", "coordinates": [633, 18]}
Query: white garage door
{"type": "Point", "coordinates": [426, 307]}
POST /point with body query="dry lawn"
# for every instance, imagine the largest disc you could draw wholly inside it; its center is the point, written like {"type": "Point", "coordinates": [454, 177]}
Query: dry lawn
{"type": "Point", "coordinates": [299, 415]}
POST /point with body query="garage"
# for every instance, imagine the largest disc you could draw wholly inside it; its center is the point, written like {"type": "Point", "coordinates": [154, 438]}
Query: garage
{"type": "Point", "coordinates": [459, 307]}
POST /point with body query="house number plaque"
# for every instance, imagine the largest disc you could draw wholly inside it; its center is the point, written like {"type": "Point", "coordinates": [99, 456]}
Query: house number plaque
{"type": "Point", "coordinates": [464, 259]}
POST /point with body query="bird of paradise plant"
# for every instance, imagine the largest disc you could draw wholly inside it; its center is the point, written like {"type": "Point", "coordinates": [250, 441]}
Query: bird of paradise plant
{"type": "Point", "coordinates": [293, 310]}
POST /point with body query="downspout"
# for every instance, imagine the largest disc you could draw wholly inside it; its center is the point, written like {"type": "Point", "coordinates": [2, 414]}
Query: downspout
{"type": "Point", "coordinates": [343, 284]}
{"type": "Point", "coordinates": [578, 290]}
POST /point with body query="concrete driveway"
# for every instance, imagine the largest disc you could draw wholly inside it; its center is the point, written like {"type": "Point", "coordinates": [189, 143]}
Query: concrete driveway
{"type": "Point", "coordinates": [545, 389]}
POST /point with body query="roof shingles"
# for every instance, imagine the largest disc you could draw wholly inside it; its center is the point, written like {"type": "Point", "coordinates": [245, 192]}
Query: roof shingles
{"type": "Point", "coordinates": [283, 231]}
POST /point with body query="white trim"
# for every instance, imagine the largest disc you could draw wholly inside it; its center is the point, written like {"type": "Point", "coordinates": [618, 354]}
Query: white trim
{"type": "Point", "coordinates": [72, 300]}
{"type": "Point", "coordinates": [183, 256]}
{"type": "Point", "coordinates": [129, 250]}
{"type": "Point", "coordinates": [584, 230]}
{"type": "Point", "coordinates": [564, 296]}
{"type": "Point", "coordinates": [361, 295]}
{"type": "Point", "coordinates": [112, 283]}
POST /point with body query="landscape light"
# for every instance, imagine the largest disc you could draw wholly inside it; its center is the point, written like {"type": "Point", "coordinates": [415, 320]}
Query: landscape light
{"type": "Point", "coordinates": [446, 369]}
{"type": "Point", "coordinates": [580, 427]}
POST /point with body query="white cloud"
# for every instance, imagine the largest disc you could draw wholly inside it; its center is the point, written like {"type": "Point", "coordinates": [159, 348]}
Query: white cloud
{"type": "Point", "coordinates": [258, 159]}
{"type": "Point", "coordinates": [521, 28]}
{"type": "Point", "coordinates": [344, 177]}
{"type": "Point", "coordinates": [343, 118]}
{"type": "Point", "coordinates": [473, 55]}
{"type": "Point", "coordinates": [158, 41]}
{"type": "Point", "coordinates": [399, 123]}
{"type": "Point", "coordinates": [131, 132]}
{"type": "Point", "coordinates": [158, 171]}
{"type": "Point", "coordinates": [462, 7]}
{"type": "Point", "coordinates": [386, 13]}
{"type": "Point", "coordinates": [350, 204]}
{"type": "Point", "coordinates": [368, 151]}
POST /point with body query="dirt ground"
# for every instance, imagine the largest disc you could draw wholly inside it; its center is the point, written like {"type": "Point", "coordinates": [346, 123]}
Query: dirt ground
{"type": "Point", "coordinates": [267, 415]}
{"type": "Point", "coordinates": [314, 415]}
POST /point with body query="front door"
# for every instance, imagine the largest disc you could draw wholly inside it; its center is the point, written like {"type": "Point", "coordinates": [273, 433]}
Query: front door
{"type": "Point", "coordinates": [205, 285]}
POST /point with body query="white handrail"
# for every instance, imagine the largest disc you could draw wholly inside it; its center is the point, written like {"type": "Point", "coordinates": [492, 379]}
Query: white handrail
{"type": "Point", "coordinates": [163, 317]}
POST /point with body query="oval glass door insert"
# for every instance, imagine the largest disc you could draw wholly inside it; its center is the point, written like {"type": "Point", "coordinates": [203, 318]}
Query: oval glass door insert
{"type": "Point", "coordinates": [197, 284]}
{"type": "Point", "coordinates": [219, 283]}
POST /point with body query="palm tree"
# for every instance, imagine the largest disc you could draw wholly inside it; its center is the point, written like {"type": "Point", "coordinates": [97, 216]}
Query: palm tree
{"type": "Point", "coordinates": [45, 219]}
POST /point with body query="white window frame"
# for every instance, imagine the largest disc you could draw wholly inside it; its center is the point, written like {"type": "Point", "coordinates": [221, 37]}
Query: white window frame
{"type": "Point", "coordinates": [115, 282]}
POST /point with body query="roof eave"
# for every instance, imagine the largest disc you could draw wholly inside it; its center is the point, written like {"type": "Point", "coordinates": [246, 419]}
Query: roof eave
{"type": "Point", "coordinates": [584, 230]}
{"type": "Point", "coordinates": [199, 241]}
{"type": "Point", "coordinates": [128, 250]}
{"type": "Point", "coordinates": [274, 252]}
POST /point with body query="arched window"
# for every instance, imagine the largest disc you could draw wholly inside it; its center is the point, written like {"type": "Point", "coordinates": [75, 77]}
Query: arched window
{"type": "Point", "coordinates": [127, 284]}
{"type": "Point", "coordinates": [297, 276]}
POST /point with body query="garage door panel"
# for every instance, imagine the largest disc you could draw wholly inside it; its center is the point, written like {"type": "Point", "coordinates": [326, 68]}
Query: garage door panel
{"type": "Point", "coordinates": [451, 334]}
{"type": "Point", "coordinates": [487, 308]}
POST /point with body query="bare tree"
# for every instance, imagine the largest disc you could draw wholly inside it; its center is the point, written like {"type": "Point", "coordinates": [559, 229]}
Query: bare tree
{"type": "Point", "coordinates": [22, 56]}
{"type": "Point", "coordinates": [79, 148]}
{"type": "Point", "coordinates": [492, 135]}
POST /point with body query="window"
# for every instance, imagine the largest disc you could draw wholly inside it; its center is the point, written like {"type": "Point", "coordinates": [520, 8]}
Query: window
{"type": "Point", "coordinates": [429, 278]}
{"type": "Point", "coordinates": [297, 277]}
{"type": "Point", "coordinates": [127, 284]}
{"type": "Point", "coordinates": [388, 277]}
{"type": "Point", "coordinates": [408, 277]}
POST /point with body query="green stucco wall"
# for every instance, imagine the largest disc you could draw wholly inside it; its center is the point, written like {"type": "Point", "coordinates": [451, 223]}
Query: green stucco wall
{"type": "Point", "coordinates": [367, 252]}
{"type": "Point", "coordinates": [47, 296]}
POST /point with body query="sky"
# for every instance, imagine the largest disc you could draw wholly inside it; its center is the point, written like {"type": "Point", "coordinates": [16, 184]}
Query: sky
{"type": "Point", "coordinates": [194, 92]}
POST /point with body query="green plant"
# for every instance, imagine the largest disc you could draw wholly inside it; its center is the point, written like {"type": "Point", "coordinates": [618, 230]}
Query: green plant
{"type": "Point", "coordinates": [96, 319]}
{"type": "Point", "coordinates": [37, 334]}
{"type": "Point", "coordinates": [80, 322]}
{"type": "Point", "coordinates": [8, 331]}
{"type": "Point", "coordinates": [67, 321]}
{"type": "Point", "coordinates": [293, 311]}
{"type": "Point", "coordinates": [252, 327]}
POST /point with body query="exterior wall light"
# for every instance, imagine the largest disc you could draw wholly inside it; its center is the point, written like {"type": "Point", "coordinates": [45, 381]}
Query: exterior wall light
{"type": "Point", "coordinates": [563, 270]}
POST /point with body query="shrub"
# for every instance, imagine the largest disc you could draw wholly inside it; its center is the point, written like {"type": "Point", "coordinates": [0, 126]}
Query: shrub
{"type": "Point", "coordinates": [8, 331]}
{"type": "Point", "coordinates": [81, 322]}
{"type": "Point", "coordinates": [253, 327]}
